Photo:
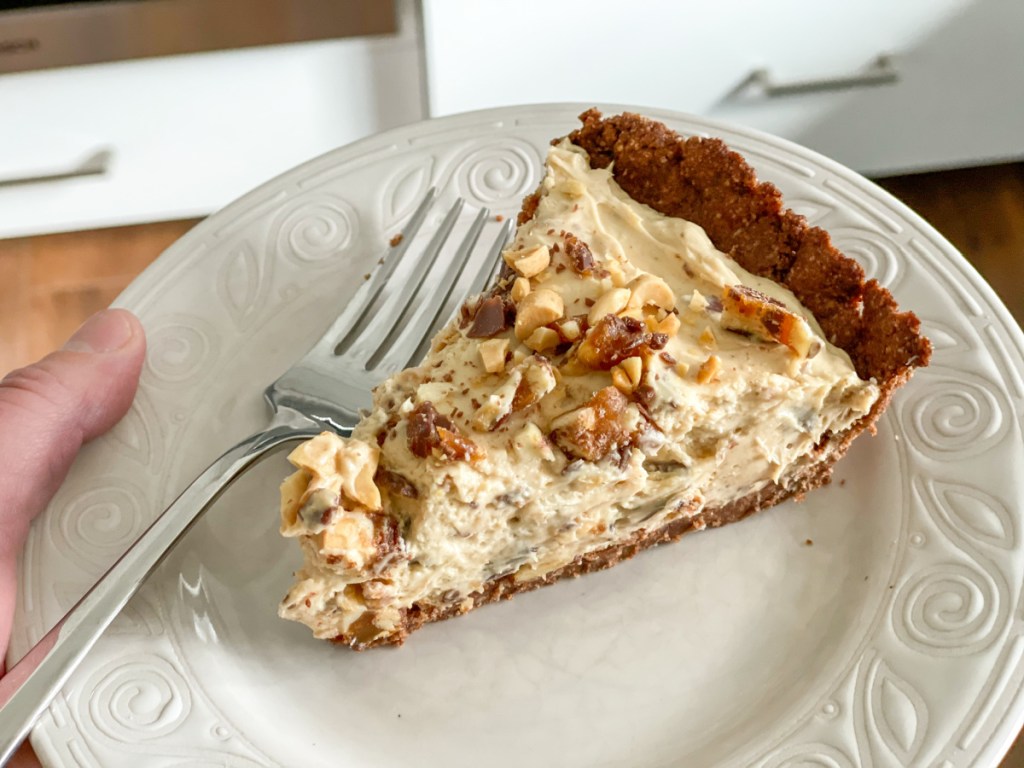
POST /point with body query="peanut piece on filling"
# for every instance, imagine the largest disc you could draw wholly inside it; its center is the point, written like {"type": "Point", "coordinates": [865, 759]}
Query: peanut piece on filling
{"type": "Point", "coordinates": [541, 339]}
{"type": "Point", "coordinates": [621, 380]}
{"type": "Point", "coordinates": [572, 188]}
{"type": "Point", "coordinates": [529, 262]}
{"type": "Point", "coordinates": [634, 368]}
{"type": "Point", "coordinates": [520, 289]}
{"type": "Point", "coordinates": [537, 309]}
{"type": "Point", "coordinates": [669, 325]}
{"type": "Point", "coordinates": [492, 353]}
{"type": "Point", "coordinates": [570, 329]}
{"type": "Point", "coordinates": [610, 303]}
{"type": "Point", "coordinates": [615, 273]}
{"type": "Point", "coordinates": [650, 290]}
{"type": "Point", "coordinates": [709, 369]}
{"type": "Point", "coordinates": [626, 375]}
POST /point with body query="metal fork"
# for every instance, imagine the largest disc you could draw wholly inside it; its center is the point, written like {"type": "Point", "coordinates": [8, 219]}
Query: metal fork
{"type": "Point", "coordinates": [386, 327]}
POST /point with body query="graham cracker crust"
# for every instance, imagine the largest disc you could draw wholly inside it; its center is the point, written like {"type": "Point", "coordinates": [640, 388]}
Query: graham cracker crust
{"type": "Point", "coordinates": [810, 477]}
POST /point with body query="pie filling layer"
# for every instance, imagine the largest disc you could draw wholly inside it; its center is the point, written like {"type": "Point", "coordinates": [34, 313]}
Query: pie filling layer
{"type": "Point", "coordinates": [623, 374]}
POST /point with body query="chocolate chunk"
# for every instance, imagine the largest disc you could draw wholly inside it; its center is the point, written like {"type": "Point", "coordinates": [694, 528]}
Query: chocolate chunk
{"type": "Point", "coordinates": [644, 394]}
{"type": "Point", "coordinates": [387, 538]}
{"type": "Point", "coordinates": [579, 254]}
{"type": "Point", "coordinates": [490, 319]}
{"type": "Point", "coordinates": [395, 483]}
{"type": "Point", "coordinates": [432, 434]}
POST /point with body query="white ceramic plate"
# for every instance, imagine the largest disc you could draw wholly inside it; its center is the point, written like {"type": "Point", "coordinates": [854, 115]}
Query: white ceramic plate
{"type": "Point", "coordinates": [894, 639]}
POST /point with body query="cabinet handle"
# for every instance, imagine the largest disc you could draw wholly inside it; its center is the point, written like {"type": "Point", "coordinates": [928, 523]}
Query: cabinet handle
{"type": "Point", "coordinates": [882, 71]}
{"type": "Point", "coordinates": [95, 164]}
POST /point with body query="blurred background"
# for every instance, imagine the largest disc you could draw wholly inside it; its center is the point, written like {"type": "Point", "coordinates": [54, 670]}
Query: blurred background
{"type": "Point", "coordinates": [123, 122]}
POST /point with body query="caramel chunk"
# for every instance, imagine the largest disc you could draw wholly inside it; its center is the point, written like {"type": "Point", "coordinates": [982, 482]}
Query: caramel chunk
{"type": "Point", "coordinates": [492, 317]}
{"type": "Point", "coordinates": [396, 484]}
{"type": "Point", "coordinates": [579, 254]}
{"type": "Point", "coordinates": [749, 311]}
{"type": "Point", "coordinates": [614, 339]}
{"type": "Point", "coordinates": [595, 430]}
{"type": "Point", "coordinates": [432, 434]}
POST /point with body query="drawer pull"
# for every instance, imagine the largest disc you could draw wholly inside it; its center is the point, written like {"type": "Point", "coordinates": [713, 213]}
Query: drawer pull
{"type": "Point", "coordinates": [882, 71]}
{"type": "Point", "coordinates": [96, 164]}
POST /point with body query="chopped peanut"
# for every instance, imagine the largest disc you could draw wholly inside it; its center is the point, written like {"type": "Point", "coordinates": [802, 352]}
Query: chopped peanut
{"type": "Point", "coordinates": [493, 352]}
{"type": "Point", "coordinates": [650, 290]}
{"type": "Point", "coordinates": [542, 338]}
{"type": "Point", "coordinates": [621, 380]}
{"type": "Point", "coordinates": [537, 309]}
{"type": "Point", "coordinates": [669, 326]}
{"type": "Point", "coordinates": [570, 330]}
{"type": "Point", "coordinates": [520, 288]}
{"type": "Point", "coordinates": [709, 369]}
{"type": "Point", "coordinates": [614, 270]}
{"type": "Point", "coordinates": [529, 262]}
{"type": "Point", "coordinates": [610, 303]}
{"type": "Point", "coordinates": [634, 368]}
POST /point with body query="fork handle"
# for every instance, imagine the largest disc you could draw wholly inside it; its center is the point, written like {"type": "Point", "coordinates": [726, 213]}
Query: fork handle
{"type": "Point", "coordinates": [29, 686]}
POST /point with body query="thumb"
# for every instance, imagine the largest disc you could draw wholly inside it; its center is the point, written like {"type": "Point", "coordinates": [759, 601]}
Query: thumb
{"type": "Point", "coordinates": [49, 409]}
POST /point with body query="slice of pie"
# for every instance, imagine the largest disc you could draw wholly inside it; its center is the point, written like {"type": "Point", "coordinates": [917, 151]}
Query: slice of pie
{"type": "Point", "coordinates": [667, 350]}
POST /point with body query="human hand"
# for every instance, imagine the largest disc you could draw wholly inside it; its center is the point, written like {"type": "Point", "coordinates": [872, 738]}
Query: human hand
{"type": "Point", "coordinates": [48, 410]}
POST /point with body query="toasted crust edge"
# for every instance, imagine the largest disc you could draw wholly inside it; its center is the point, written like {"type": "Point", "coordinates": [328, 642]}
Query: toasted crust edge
{"type": "Point", "coordinates": [703, 181]}
{"type": "Point", "coordinates": [807, 478]}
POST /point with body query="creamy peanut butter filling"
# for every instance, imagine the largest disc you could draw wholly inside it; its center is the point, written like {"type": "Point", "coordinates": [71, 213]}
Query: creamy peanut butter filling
{"type": "Point", "coordinates": [625, 374]}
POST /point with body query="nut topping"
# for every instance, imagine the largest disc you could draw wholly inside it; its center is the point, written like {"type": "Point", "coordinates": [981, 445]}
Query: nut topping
{"type": "Point", "coordinates": [526, 384]}
{"type": "Point", "coordinates": [669, 325]}
{"type": "Point", "coordinates": [570, 330]}
{"type": "Point", "coordinates": [595, 430]}
{"type": "Point", "coordinates": [432, 434]}
{"type": "Point", "coordinates": [539, 308]}
{"type": "Point", "coordinates": [614, 339]}
{"type": "Point", "coordinates": [529, 262]}
{"type": "Point", "coordinates": [610, 303]}
{"type": "Point", "coordinates": [543, 339]}
{"type": "Point", "coordinates": [650, 290]}
{"type": "Point", "coordinates": [749, 311]}
{"type": "Point", "coordinates": [709, 369]}
{"type": "Point", "coordinates": [520, 288]}
{"type": "Point", "coordinates": [492, 353]}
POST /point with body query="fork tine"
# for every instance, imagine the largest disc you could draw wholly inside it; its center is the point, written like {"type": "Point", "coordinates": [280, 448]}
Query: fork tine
{"type": "Point", "coordinates": [442, 291]}
{"type": "Point", "coordinates": [365, 340]}
{"type": "Point", "coordinates": [484, 276]}
{"type": "Point", "coordinates": [356, 317]}
{"type": "Point", "coordinates": [489, 270]}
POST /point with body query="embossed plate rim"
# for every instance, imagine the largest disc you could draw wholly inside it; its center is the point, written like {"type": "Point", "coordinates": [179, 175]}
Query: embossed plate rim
{"type": "Point", "coordinates": [440, 130]}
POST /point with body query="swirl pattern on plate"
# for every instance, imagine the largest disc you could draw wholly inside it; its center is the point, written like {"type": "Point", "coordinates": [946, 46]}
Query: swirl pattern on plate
{"type": "Point", "coordinates": [945, 610]}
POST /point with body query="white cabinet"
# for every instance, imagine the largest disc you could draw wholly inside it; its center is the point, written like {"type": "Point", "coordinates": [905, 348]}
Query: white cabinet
{"type": "Point", "coordinates": [185, 135]}
{"type": "Point", "coordinates": [956, 97]}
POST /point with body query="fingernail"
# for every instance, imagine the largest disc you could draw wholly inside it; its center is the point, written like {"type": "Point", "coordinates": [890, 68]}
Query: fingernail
{"type": "Point", "coordinates": [105, 331]}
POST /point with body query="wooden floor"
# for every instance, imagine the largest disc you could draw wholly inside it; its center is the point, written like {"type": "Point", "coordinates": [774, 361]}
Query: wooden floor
{"type": "Point", "coordinates": [50, 284]}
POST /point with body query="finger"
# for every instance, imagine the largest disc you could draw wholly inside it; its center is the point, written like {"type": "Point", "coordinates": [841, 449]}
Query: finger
{"type": "Point", "coordinates": [49, 409]}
